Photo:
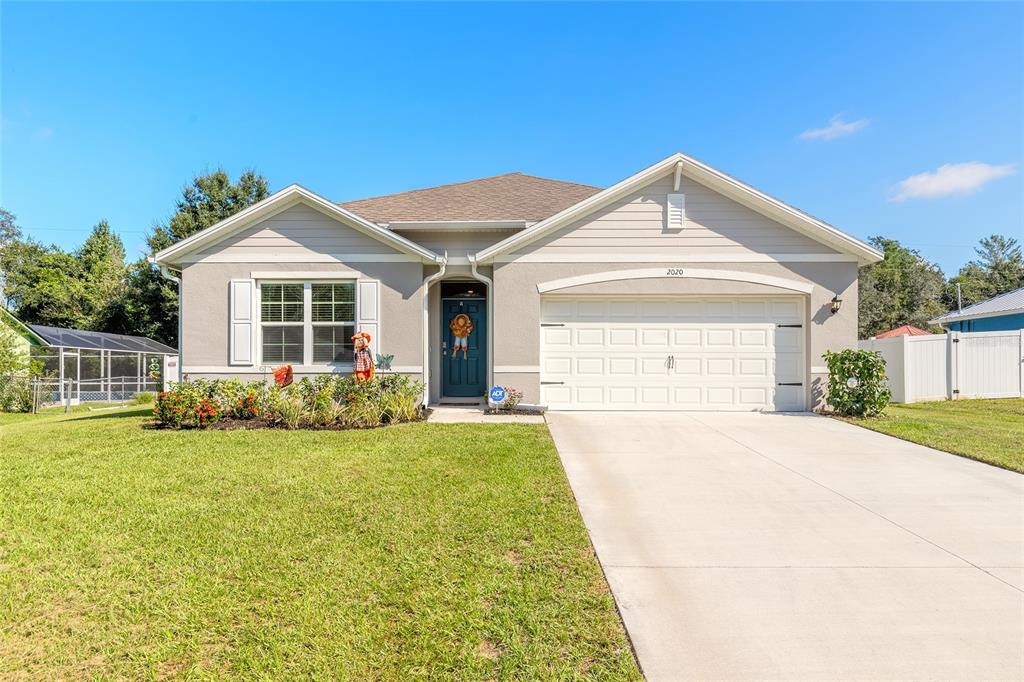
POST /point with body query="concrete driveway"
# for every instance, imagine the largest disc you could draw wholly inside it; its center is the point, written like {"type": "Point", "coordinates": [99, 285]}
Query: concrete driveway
{"type": "Point", "coordinates": [758, 546]}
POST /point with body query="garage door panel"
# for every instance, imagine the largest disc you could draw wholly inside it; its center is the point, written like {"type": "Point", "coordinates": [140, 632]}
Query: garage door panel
{"type": "Point", "coordinates": [557, 365]}
{"type": "Point", "coordinates": [651, 366]}
{"type": "Point", "coordinates": [590, 367]}
{"type": "Point", "coordinates": [789, 338]}
{"type": "Point", "coordinates": [719, 367]}
{"type": "Point", "coordinates": [718, 338]}
{"type": "Point", "coordinates": [653, 338]}
{"type": "Point", "coordinates": [618, 367]}
{"type": "Point", "coordinates": [754, 367]}
{"type": "Point", "coordinates": [618, 336]}
{"type": "Point", "coordinates": [590, 336]}
{"type": "Point", "coordinates": [755, 339]}
{"type": "Point", "coordinates": [673, 353]}
{"type": "Point", "coordinates": [686, 397]}
{"type": "Point", "coordinates": [554, 337]}
{"type": "Point", "coordinates": [686, 337]}
{"type": "Point", "coordinates": [687, 366]}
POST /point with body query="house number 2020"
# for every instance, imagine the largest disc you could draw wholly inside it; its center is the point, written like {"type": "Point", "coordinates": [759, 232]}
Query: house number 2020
{"type": "Point", "coordinates": [675, 272]}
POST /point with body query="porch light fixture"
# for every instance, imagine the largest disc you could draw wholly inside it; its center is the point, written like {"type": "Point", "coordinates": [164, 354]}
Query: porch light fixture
{"type": "Point", "coordinates": [837, 303]}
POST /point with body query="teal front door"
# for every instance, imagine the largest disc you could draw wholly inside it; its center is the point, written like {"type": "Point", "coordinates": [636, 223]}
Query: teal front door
{"type": "Point", "coordinates": [464, 350]}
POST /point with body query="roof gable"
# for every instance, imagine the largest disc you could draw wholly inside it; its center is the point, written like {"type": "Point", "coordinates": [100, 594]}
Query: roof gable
{"type": "Point", "coordinates": [508, 197]}
{"type": "Point", "coordinates": [20, 328]}
{"type": "Point", "coordinates": [276, 203]}
{"type": "Point", "coordinates": [709, 177]}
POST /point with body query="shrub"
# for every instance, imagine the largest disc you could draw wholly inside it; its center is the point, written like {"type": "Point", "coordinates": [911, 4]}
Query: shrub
{"type": "Point", "coordinates": [15, 393]}
{"type": "Point", "coordinates": [144, 398]}
{"type": "Point", "coordinates": [856, 382]}
{"type": "Point", "coordinates": [286, 408]}
{"type": "Point", "coordinates": [320, 402]}
{"type": "Point", "coordinates": [189, 404]}
{"type": "Point", "coordinates": [513, 396]}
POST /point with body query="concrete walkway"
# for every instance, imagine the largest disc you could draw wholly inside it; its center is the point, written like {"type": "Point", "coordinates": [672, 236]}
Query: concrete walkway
{"type": "Point", "coordinates": [757, 546]}
{"type": "Point", "coordinates": [474, 414]}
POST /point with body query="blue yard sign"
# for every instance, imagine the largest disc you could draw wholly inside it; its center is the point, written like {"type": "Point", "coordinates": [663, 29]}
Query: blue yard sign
{"type": "Point", "coordinates": [497, 394]}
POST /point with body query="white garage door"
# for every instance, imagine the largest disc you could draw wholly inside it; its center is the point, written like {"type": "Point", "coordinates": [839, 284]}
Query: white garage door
{"type": "Point", "coordinates": [743, 353]}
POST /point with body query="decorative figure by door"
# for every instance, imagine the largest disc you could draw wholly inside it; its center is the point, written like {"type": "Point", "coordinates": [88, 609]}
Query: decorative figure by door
{"type": "Point", "coordinates": [461, 327]}
{"type": "Point", "coordinates": [362, 360]}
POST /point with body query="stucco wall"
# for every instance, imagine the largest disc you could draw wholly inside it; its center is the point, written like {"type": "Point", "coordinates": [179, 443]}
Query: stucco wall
{"type": "Point", "coordinates": [206, 300]}
{"type": "Point", "coordinates": [517, 313]}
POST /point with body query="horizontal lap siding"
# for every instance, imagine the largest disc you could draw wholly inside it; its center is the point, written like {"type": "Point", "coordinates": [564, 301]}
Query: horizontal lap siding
{"type": "Point", "coordinates": [457, 244]}
{"type": "Point", "coordinates": [714, 224]}
{"type": "Point", "coordinates": [299, 230]}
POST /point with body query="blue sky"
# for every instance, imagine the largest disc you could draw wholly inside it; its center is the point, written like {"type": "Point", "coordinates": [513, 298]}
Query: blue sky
{"type": "Point", "coordinates": [108, 109]}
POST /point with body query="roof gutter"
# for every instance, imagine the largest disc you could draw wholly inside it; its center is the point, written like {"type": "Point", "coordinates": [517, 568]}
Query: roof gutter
{"type": "Point", "coordinates": [167, 273]}
{"type": "Point", "coordinates": [443, 262]}
{"type": "Point", "coordinates": [490, 320]}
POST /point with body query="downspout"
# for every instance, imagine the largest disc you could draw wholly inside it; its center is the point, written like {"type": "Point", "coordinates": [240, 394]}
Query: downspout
{"type": "Point", "coordinates": [168, 274]}
{"type": "Point", "coordinates": [490, 321]}
{"type": "Point", "coordinates": [443, 262]}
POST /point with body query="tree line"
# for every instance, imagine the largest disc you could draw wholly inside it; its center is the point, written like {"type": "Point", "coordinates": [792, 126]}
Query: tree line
{"type": "Point", "coordinates": [94, 287]}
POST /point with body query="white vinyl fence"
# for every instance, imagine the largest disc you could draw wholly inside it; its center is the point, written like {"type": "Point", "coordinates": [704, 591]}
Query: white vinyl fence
{"type": "Point", "coordinates": [954, 365]}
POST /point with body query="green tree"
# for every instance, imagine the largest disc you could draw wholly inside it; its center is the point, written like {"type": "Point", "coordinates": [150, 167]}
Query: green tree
{"type": "Point", "coordinates": [153, 305]}
{"type": "Point", "coordinates": [103, 269]}
{"type": "Point", "coordinates": [13, 358]}
{"type": "Point", "coordinates": [903, 288]}
{"type": "Point", "coordinates": [998, 268]}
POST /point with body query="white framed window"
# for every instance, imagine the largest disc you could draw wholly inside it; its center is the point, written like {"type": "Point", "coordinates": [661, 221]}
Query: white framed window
{"type": "Point", "coordinates": [307, 323]}
{"type": "Point", "coordinates": [334, 321]}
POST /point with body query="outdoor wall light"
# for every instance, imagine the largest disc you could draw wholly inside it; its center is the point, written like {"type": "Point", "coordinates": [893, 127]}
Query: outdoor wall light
{"type": "Point", "coordinates": [837, 303]}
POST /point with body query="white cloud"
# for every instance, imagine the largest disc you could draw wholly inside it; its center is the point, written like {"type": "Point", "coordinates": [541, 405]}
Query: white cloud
{"type": "Point", "coordinates": [835, 129]}
{"type": "Point", "coordinates": [42, 134]}
{"type": "Point", "coordinates": [950, 179]}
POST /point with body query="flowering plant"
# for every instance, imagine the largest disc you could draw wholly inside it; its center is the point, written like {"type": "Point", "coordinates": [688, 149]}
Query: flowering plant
{"type": "Point", "coordinates": [513, 396]}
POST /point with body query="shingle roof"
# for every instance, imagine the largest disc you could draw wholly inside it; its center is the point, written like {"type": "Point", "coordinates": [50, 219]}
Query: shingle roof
{"type": "Point", "coordinates": [80, 338]}
{"type": "Point", "coordinates": [905, 330]}
{"type": "Point", "coordinates": [513, 196]}
{"type": "Point", "coordinates": [1010, 302]}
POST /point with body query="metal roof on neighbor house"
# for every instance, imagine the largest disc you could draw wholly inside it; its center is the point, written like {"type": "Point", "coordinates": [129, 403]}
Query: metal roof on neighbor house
{"type": "Point", "coordinates": [1010, 302]}
{"type": "Point", "coordinates": [512, 196]}
{"type": "Point", "coordinates": [79, 338]}
{"type": "Point", "coordinates": [905, 330]}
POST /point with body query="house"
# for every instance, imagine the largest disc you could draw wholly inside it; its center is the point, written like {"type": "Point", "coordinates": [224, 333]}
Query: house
{"type": "Point", "coordinates": [677, 288]}
{"type": "Point", "coordinates": [1001, 313]}
{"type": "Point", "coordinates": [24, 338]}
{"type": "Point", "coordinates": [85, 365]}
{"type": "Point", "coordinates": [905, 330]}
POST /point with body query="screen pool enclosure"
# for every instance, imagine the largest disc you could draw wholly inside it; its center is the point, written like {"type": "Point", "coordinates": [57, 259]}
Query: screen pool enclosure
{"type": "Point", "coordinates": [95, 366]}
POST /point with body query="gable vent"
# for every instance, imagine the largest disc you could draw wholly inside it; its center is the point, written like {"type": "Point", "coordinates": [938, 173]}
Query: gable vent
{"type": "Point", "coordinates": [675, 216]}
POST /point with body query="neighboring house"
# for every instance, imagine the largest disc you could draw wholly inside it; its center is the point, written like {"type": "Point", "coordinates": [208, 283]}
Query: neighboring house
{"type": "Point", "coordinates": [25, 338]}
{"type": "Point", "coordinates": [905, 330]}
{"type": "Point", "coordinates": [1001, 313]}
{"type": "Point", "coordinates": [677, 288]}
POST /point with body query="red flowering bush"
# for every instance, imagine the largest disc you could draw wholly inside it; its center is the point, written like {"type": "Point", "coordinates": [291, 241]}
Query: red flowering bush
{"type": "Point", "coordinates": [188, 404]}
{"type": "Point", "coordinates": [249, 406]}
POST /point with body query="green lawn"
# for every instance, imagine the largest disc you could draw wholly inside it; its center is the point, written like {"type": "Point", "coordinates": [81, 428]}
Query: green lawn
{"type": "Point", "coordinates": [416, 551]}
{"type": "Point", "coordinates": [987, 430]}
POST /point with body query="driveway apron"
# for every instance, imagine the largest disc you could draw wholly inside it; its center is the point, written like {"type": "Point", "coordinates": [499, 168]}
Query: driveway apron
{"type": "Point", "coordinates": [745, 546]}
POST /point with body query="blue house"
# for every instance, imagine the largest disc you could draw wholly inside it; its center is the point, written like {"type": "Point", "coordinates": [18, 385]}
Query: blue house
{"type": "Point", "coordinates": [1004, 312]}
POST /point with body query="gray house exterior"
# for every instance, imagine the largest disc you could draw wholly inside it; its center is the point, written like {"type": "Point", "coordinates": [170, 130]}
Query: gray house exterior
{"type": "Point", "coordinates": [679, 288]}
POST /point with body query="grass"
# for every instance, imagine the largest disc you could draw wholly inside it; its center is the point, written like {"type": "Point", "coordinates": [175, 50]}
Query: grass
{"type": "Point", "coordinates": [990, 431]}
{"type": "Point", "coordinates": [416, 551]}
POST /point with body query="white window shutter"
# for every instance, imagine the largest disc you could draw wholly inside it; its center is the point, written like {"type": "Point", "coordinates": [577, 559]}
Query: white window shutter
{"type": "Point", "coordinates": [676, 212]}
{"type": "Point", "coordinates": [242, 336]}
{"type": "Point", "coordinates": [368, 311]}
